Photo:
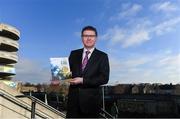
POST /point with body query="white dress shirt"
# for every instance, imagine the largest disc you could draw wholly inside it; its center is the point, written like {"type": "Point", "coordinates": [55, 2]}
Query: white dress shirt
{"type": "Point", "coordinates": [84, 53]}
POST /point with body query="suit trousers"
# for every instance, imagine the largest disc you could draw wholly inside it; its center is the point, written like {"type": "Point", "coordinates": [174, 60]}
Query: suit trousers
{"type": "Point", "coordinates": [74, 111]}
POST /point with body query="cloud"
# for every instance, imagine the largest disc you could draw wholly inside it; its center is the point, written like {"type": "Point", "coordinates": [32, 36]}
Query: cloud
{"type": "Point", "coordinates": [164, 7]}
{"type": "Point", "coordinates": [127, 11]}
{"type": "Point", "coordinates": [127, 69]}
{"type": "Point", "coordinates": [170, 62]}
{"type": "Point", "coordinates": [127, 37]}
{"type": "Point", "coordinates": [139, 33]}
{"type": "Point", "coordinates": [161, 67]}
{"type": "Point", "coordinates": [31, 71]}
{"type": "Point", "coordinates": [149, 68]}
{"type": "Point", "coordinates": [115, 34]}
{"type": "Point", "coordinates": [138, 30]}
{"type": "Point", "coordinates": [166, 26]}
{"type": "Point", "coordinates": [136, 38]}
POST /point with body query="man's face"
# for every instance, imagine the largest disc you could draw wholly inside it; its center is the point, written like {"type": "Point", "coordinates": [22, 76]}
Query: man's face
{"type": "Point", "coordinates": [89, 38]}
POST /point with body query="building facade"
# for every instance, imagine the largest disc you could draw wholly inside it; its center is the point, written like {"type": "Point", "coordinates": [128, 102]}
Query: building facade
{"type": "Point", "coordinates": [9, 46]}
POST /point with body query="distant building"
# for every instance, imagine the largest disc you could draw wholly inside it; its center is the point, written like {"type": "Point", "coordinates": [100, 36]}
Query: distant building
{"type": "Point", "coordinates": [29, 89]}
{"type": "Point", "coordinates": [166, 89]}
{"type": "Point", "coordinates": [148, 89]}
{"type": "Point", "coordinates": [122, 89]}
{"type": "Point", "coordinates": [135, 89]}
{"type": "Point", "coordinates": [177, 89]}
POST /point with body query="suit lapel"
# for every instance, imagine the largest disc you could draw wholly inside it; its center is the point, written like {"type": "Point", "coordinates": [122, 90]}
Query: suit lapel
{"type": "Point", "coordinates": [80, 59]}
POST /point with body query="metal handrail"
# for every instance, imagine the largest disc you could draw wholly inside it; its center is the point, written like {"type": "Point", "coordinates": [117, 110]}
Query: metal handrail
{"type": "Point", "coordinates": [18, 102]}
{"type": "Point", "coordinates": [35, 100]}
{"type": "Point", "coordinates": [105, 114]}
{"type": "Point", "coordinates": [26, 106]}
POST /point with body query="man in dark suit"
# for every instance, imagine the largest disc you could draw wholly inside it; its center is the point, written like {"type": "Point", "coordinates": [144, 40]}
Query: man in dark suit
{"type": "Point", "coordinates": [90, 70]}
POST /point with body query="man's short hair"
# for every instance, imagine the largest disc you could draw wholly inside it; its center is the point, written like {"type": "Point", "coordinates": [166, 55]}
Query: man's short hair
{"type": "Point", "coordinates": [89, 28]}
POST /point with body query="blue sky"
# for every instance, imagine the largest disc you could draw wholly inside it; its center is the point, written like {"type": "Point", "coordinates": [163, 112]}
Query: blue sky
{"type": "Point", "coordinates": [141, 37]}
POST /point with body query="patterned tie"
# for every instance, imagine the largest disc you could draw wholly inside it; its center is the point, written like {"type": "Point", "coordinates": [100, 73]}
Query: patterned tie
{"type": "Point", "coordinates": [85, 60]}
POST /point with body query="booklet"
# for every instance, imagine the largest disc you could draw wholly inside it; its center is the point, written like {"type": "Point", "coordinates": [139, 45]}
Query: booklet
{"type": "Point", "coordinates": [60, 69]}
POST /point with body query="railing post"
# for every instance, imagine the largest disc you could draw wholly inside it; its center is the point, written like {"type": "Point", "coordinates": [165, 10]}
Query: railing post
{"type": "Point", "coordinates": [103, 97]}
{"type": "Point", "coordinates": [33, 108]}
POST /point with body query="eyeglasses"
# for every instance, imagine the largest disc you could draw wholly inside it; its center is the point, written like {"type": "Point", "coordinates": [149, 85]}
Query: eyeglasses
{"type": "Point", "coordinates": [86, 36]}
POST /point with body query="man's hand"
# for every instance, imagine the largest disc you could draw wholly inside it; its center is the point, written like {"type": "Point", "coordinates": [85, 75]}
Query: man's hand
{"type": "Point", "coordinates": [77, 80]}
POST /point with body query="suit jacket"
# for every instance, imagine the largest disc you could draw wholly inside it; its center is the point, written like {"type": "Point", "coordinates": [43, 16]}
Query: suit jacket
{"type": "Point", "coordinates": [95, 74]}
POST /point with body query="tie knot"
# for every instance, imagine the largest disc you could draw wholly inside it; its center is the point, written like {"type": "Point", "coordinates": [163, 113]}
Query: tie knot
{"type": "Point", "coordinates": [87, 52]}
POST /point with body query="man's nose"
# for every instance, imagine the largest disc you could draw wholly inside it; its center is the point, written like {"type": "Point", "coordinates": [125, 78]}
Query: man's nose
{"type": "Point", "coordinates": [89, 38]}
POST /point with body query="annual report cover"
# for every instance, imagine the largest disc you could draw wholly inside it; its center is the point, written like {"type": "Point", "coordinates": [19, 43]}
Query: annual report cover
{"type": "Point", "coordinates": [60, 69]}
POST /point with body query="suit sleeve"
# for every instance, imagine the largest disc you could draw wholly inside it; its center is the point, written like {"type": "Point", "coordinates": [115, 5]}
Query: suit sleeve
{"type": "Point", "coordinates": [102, 77]}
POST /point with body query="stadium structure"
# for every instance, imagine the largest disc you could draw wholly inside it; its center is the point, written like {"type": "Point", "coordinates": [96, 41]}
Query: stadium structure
{"type": "Point", "coordinates": [9, 46]}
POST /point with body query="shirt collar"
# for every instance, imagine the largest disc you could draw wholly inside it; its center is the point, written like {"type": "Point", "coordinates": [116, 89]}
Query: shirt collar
{"type": "Point", "coordinates": [91, 50]}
